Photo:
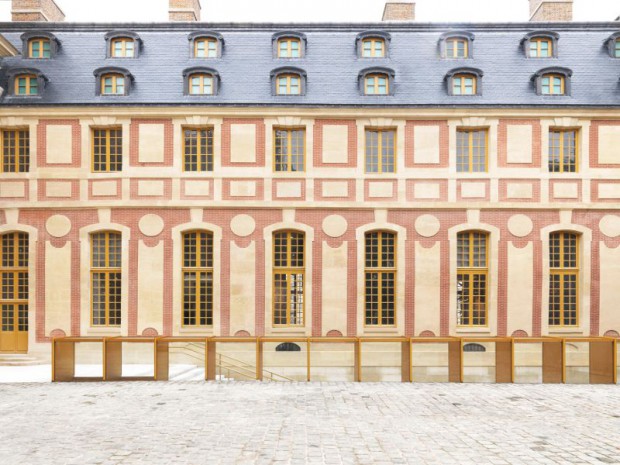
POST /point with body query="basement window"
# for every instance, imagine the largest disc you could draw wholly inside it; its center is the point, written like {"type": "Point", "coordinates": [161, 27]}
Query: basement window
{"type": "Point", "coordinates": [288, 347]}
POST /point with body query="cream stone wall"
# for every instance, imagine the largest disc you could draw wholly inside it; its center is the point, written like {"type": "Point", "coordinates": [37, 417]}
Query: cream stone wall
{"type": "Point", "coordinates": [59, 144]}
{"type": "Point", "coordinates": [609, 145]}
{"type": "Point", "coordinates": [427, 288]}
{"type": "Point", "coordinates": [151, 143]}
{"type": "Point", "coordinates": [426, 144]}
{"type": "Point", "coordinates": [335, 144]}
{"type": "Point", "coordinates": [610, 288]}
{"type": "Point", "coordinates": [520, 291]}
{"type": "Point", "coordinates": [151, 280]}
{"type": "Point", "coordinates": [334, 288]}
{"type": "Point", "coordinates": [243, 143]}
{"type": "Point", "coordinates": [519, 144]}
{"type": "Point", "coordinates": [57, 288]}
{"type": "Point", "coordinates": [242, 288]}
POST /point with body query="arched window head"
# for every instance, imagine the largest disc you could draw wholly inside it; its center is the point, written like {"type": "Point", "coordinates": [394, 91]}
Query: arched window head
{"type": "Point", "coordinates": [376, 81]}
{"type": "Point", "coordinates": [113, 81]}
{"type": "Point", "coordinates": [201, 81]}
{"type": "Point", "coordinates": [288, 81]}
{"type": "Point", "coordinates": [613, 45]}
{"type": "Point", "coordinates": [289, 44]}
{"type": "Point", "coordinates": [552, 81]}
{"type": "Point", "coordinates": [206, 44]}
{"type": "Point", "coordinates": [456, 44]}
{"type": "Point", "coordinates": [26, 82]}
{"type": "Point", "coordinates": [464, 81]}
{"type": "Point", "coordinates": [373, 44]}
{"type": "Point", "coordinates": [39, 45]}
{"type": "Point", "coordinates": [540, 44]}
{"type": "Point", "coordinates": [123, 44]}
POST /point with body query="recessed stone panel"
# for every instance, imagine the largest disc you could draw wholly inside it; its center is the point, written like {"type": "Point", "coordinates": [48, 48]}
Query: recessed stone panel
{"type": "Point", "coordinates": [609, 191]}
{"type": "Point", "coordinates": [426, 190]}
{"type": "Point", "coordinates": [59, 189]}
{"type": "Point", "coordinates": [519, 144]}
{"type": "Point", "coordinates": [519, 190]}
{"type": "Point", "coordinates": [380, 190]}
{"type": "Point", "coordinates": [426, 144]}
{"type": "Point", "coordinates": [473, 190]}
{"type": "Point", "coordinates": [335, 144]}
{"type": "Point", "coordinates": [609, 145]}
{"type": "Point", "coordinates": [151, 143]}
{"type": "Point", "coordinates": [243, 189]}
{"type": "Point", "coordinates": [243, 143]}
{"type": "Point", "coordinates": [197, 188]}
{"type": "Point", "coordinates": [566, 190]}
{"type": "Point", "coordinates": [12, 189]}
{"type": "Point", "coordinates": [288, 189]}
{"type": "Point", "coordinates": [335, 189]}
{"type": "Point", "coordinates": [151, 188]}
{"type": "Point", "coordinates": [104, 188]}
{"type": "Point", "coordinates": [59, 144]}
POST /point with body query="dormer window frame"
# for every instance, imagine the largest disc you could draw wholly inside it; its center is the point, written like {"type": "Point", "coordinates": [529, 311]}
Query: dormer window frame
{"type": "Point", "coordinates": [463, 72]}
{"type": "Point", "coordinates": [195, 71]}
{"type": "Point", "coordinates": [551, 36]}
{"type": "Point", "coordinates": [289, 35]}
{"type": "Point", "coordinates": [376, 71]}
{"type": "Point", "coordinates": [466, 36]}
{"type": "Point", "coordinates": [208, 36]}
{"type": "Point", "coordinates": [373, 35]}
{"type": "Point", "coordinates": [101, 73]}
{"type": "Point", "coordinates": [112, 37]}
{"type": "Point", "coordinates": [613, 45]}
{"type": "Point", "coordinates": [288, 71]}
{"type": "Point", "coordinates": [555, 71]}
{"type": "Point", "coordinates": [29, 37]}
{"type": "Point", "coordinates": [31, 73]}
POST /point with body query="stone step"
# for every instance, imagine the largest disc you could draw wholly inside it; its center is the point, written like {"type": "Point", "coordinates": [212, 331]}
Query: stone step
{"type": "Point", "coordinates": [17, 360]}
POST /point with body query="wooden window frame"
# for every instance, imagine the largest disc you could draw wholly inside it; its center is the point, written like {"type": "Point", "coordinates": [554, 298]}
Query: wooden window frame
{"type": "Point", "coordinates": [551, 77]}
{"type": "Point", "coordinates": [562, 272]}
{"type": "Point", "coordinates": [380, 270]}
{"type": "Point", "coordinates": [453, 42]}
{"type": "Point", "coordinates": [289, 271]}
{"type": "Point", "coordinates": [289, 155]}
{"type": "Point", "coordinates": [381, 168]}
{"type": "Point", "coordinates": [21, 163]}
{"type": "Point", "coordinates": [375, 85]}
{"type": "Point", "coordinates": [199, 271]}
{"type": "Point", "coordinates": [473, 273]}
{"type": "Point", "coordinates": [124, 49]}
{"type": "Point", "coordinates": [373, 52]}
{"type": "Point", "coordinates": [289, 77]}
{"type": "Point", "coordinates": [539, 41]}
{"type": "Point", "coordinates": [115, 84]}
{"type": "Point", "coordinates": [109, 164]}
{"type": "Point", "coordinates": [562, 167]}
{"type": "Point", "coordinates": [470, 150]}
{"type": "Point", "coordinates": [203, 78]}
{"type": "Point", "coordinates": [289, 47]}
{"type": "Point", "coordinates": [42, 41]}
{"type": "Point", "coordinates": [207, 41]}
{"type": "Point", "coordinates": [204, 158]}
{"type": "Point", "coordinates": [18, 273]}
{"type": "Point", "coordinates": [107, 271]}
{"type": "Point", "coordinates": [462, 87]}
{"type": "Point", "coordinates": [29, 78]}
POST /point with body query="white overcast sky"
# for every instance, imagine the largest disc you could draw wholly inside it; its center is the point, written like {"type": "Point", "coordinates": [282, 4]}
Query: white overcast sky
{"type": "Point", "coordinates": [318, 10]}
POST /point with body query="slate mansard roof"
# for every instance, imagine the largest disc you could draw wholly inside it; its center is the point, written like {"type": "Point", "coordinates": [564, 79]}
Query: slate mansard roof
{"type": "Point", "coordinates": [330, 63]}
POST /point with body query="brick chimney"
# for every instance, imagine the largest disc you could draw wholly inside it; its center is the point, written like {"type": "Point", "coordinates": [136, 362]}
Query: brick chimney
{"type": "Point", "coordinates": [36, 10]}
{"type": "Point", "coordinates": [399, 11]}
{"type": "Point", "coordinates": [184, 10]}
{"type": "Point", "coordinates": [551, 10]}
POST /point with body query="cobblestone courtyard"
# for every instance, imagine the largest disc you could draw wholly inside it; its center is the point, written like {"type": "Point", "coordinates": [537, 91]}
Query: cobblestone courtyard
{"type": "Point", "coordinates": [247, 423]}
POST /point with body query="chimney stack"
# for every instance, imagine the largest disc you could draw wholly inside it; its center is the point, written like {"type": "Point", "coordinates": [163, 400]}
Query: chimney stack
{"type": "Point", "coordinates": [36, 10]}
{"type": "Point", "coordinates": [551, 10]}
{"type": "Point", "coordinates": [184, 10]}
{"type": "Point", "coordinates": [399, 11]}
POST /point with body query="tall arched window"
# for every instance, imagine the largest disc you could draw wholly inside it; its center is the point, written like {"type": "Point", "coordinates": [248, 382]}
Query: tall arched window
{"type": "Point", "coordinates": [14, 295]}
{"type": "Point", "coordinates": [106, 274]}
{"type": "Point", "coordinates": [472, 278]}
{"type": "Point", "coordinates": [288, 278]}
{"type": "Point", "coordinates": [380, 278]}
{"type": "Point", "coordinates": [198, 278]}
{"type": "Point", "coordinates": [563, 279]}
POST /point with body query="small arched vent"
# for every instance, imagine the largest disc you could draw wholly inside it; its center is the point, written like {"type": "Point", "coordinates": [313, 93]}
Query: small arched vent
{"type": "Point", "coordinates": [288, 347]}
{"type": "Point", "coordinates": [471, 347]}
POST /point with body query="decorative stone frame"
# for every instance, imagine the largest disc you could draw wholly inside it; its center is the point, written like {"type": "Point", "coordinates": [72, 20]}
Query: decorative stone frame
{"type": "Point", "coordinates": [387, 39]}
{"type": "Point", "coordinates": [389, 72]}
{"type": "Point", "coordinates": [449, 78]}
{"type": "Point", "coordinates": [192, 37]}
{"type": "Point", "coordinates": [201, 70]}
{"type": "Point", "coordinates": [119, 35]}
{"type": "Point", "coordinates": [303, 44]}
{"type": "Point", "coordinates": [42, 81]}
{"type": "Point", "coordinates": [567, 73]}
{"type": "Point", "coordinates": [468, 36]}
{"type": "Point", "coordinates": [288, 70]}
{"type": "Point", "coordinates": [28, 36]}
{"type": "Point", "coordinates": [553, 36]}
{"type": "Point", "coordinates": [99, 72]}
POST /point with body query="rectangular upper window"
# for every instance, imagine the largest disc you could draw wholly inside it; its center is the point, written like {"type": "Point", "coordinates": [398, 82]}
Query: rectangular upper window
{"type": "Point", "coordinates": [107, 150]}
{"type": "Point", "coordinates": [380, 150]}
{"type": "Point", "coordinates": [563, 151]}
{"type": "Point", "coordinates": [376, 84]}
{"type": "Point", "coordinates": [373, 48]}
{"type": "Point", "coordinates": [289, 47]}
{"type": "Point", "coordinates": [457, 48]}
{"type": "Point", "coordinates": [288, 84]}
{"type": "Point", "coordinates": [471, 150]}
{"type": "Point", "coordinates": [541, 47]}
{"type": "Point", "coordinates": [205, 48]}
{"type": "Point", "coordinates": [26, 84]}
{"type": "Point", "coordinates": [123, 47]}
{"type": "Point", "coordinates": [552, 84]}
{"type": "Point", "coordinates": [14, 151]}
{"type": "Point", "coordinates": [198, 149]}
{"type": "Point", "coordinates": [39, 48]}
{"type": "Point", "coordinates": [289, 149]}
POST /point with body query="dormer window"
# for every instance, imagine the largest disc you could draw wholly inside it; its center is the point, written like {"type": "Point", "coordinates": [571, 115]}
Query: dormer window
{"type": "Point", "coordinates": [289, 47]}
{"type": "Point", "coordinates": [540, 44]}
{"type": "Point", "coordinates": [464, 81]}
{"type": "Point", "coordinates": [373, 44]}
{"type": "Point", "coordinates": [288, 81]}
{"type": "Point", "coordinates": [123, 44]}
{"type": "Point", "coordinates": [122, 47]}
{"type": "Point", "coordinates": [456, 45]}
{"type": "Point", "coordinates": [201, 81]}
{"type": "Point", "coordinates": [26, 82]}
{"type": "Point", "coordinates": [617, 48]}
{"type": "Point", "coordinates": [206, 44]}
{"type": "Point", "coordinates": [39, 48]}
{"type": "Point", "coordinates": [113, 81]}
{"type": "Point", "coordinates": [376, 84]}
{"type": "Point", "coordinates": [613, 45]}
{"type": "Point", "coordinates": [552, 81]}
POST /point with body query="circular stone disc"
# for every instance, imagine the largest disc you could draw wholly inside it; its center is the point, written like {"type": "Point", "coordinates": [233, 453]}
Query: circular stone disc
{"type": "Point", "coordinates": [151, 225]}
{"type": "Point", "coordinates": [335, 225]}
{"type": "Point", "coordinates": [58, 225]}
{"type": "Point", "coordinates": [242, 225]}
{"type": "Point", "coordinates": [427, 225]}
{"type": "Point", "coordinates": [520, 225]}
{"type": "Point", "coordinates": [610, 225]}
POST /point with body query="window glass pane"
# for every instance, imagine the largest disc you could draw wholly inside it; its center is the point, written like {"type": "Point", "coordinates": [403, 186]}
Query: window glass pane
{"type": "Point", "coordinates": [456, 86]}
{"type": "Point", "coordinates": [294, 85]}
{"type": "Point", "coordinates": [367, 48]}
{"type": "Point", "coordinates": [34, 86]}
{"type": "Point", "coordinates": [35, 49]}
{"type": "Point", "coordinates": [46, 49]}
{"type": "Point", "coordinates": [450, 46]}
{"type": "Point", "coordinates": [460, 49]}
{"type": "Point", "coordinates": [120, 85]}
{"type": "Point", "coordinates": [200, 48]}
{"type": "Point", "coordinates": [129, 49]}
{"type": "Point", "coordinates": [545, 85]}
{"type": "Point", "coordinates": [617, 54]}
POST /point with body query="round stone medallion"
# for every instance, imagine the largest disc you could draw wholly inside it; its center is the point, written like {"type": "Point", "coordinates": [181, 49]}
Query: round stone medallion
{"type": "Point", "coordinates": [151, 225]}
{"type": "Point", "coordinates": [610, 225]}
{"type": "Point", "coordinates": [520, 225]}
{"type": "Point", "coordinates": [58, 225]}
{"type": "Point", "coordinates": [427, 225]}
{"type": "Point", "coordinates": [242, 225]}
{"type": "Point", "coordinates": [335, 225]}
